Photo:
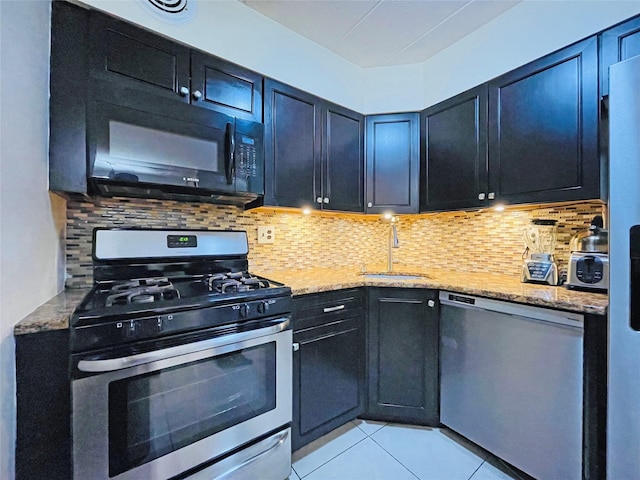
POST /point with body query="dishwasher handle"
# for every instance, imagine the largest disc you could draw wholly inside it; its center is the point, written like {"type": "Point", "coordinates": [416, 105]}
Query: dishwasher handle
{"type": "Point", "coordinates": [559, 317]}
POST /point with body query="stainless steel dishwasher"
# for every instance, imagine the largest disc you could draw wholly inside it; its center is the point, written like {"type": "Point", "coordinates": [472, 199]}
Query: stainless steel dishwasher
{"type": "Point", "coordinates": [511, 381]}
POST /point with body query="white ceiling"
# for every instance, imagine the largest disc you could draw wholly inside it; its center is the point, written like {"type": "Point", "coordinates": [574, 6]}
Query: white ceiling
{"type": "Point", "coordinates": [378, 33]}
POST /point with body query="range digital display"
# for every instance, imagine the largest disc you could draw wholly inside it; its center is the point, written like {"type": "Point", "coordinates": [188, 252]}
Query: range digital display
{"type": "Point", "coordinates": [181, 241]}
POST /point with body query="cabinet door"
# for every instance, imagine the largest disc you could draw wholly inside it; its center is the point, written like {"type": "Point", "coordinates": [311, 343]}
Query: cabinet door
{"type": "Point", "coordinates": [393, 162]}
{"type": "Point", "coordinates": [403, 355]}
{"type": "Point", "coordinates": [543, 129]}
{"type": "Point", "coordinates": [454, 161]}
{"type": "Point", "coordinates": [342, 159]}
{"type": "Point", "coordinates": [292, 147]}
{"type": "Point", "coordinates": [618, 43]}
{"type": "Point", "coordinates": [129, 56]}
{"type": "Point", "coordinates": [68, 99]}
{"type": "Point", "coordinates": [328, 378]}
{"type": "Point", "coordinates": [225, 87]}
{"type": "Point", "coordinates": [329, 382]}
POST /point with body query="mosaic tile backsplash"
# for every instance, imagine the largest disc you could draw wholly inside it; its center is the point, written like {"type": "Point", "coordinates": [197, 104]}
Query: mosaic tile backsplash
{"type": "Point", "coordinates": [479, 241]}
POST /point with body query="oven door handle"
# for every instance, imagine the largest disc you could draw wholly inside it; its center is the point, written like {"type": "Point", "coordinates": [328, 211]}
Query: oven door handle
{"type": "Point", "coordinates": [120, 363]}
{"type": "Point", "coordinates": [244, 459]}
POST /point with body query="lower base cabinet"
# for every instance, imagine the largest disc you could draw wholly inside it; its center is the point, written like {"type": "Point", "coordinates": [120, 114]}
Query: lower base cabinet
{"type": "Point", "coordinates": [403, 345]}
{"type": "Point", "coordinates": [328, 362]}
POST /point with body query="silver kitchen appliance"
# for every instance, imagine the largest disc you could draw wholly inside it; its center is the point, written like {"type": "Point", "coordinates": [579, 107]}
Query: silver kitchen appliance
{"type": "Point", "coordinates": [511, 381]}
{"type": "Point", "coordinates": [623, 376]}
{"type": "Point", "coordinates": [181, 361]}
{"type": "Point", "coordinates": [539, 265]}
{"type": "Point", "coordinates": [589, 260]}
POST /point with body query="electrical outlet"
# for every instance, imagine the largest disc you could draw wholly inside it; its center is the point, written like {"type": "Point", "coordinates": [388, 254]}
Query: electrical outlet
{"type": "Point", "coordinates": [266, 234]}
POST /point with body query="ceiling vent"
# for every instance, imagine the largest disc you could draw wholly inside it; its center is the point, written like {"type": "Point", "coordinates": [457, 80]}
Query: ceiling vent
{"type": "Point", "coordinates": [175, 12]}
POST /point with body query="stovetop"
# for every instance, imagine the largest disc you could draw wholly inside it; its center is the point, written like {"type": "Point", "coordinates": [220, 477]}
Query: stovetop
{"type": "Point", "coordinates": [154, 283]}
{"type": "Point", "coordinates": [142, 296]}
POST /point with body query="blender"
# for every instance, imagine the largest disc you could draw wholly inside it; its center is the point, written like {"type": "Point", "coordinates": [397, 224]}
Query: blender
{"type": "Point", "coordinates": [540, 240]}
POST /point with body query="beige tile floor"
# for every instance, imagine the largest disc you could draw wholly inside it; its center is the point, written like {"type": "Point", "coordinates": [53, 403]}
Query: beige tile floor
{"type": "Point", "coordinates": [364, 450]}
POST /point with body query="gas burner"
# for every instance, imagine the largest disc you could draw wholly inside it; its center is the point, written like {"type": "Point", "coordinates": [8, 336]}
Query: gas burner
{"type": "Point", "coordinates": [233, 282]}
{"type": "Point", "coordinates": [141, 282]}
{"type": "Point", "coordinates": [143, 290]}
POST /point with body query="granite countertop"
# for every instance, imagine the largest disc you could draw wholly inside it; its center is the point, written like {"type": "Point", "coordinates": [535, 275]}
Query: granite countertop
{"type": "Point", "coordinates": [54, 314]}
{"type": "Point", "coordinates": [501, 287]}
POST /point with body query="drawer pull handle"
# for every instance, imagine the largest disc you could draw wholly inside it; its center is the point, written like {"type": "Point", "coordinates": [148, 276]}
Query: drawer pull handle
{"type": "Point", "coordinates": [333, 309]}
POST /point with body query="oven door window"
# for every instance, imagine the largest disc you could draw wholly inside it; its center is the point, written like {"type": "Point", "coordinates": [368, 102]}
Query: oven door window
{"type": "Point", "coordinates": [132, 146]}
{"type": "Point", "coordinates": [157, 413]}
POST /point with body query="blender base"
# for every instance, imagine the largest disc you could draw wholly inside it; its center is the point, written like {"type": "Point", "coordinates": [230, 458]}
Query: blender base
{"type": "Point", "coordinates": [540, 268]}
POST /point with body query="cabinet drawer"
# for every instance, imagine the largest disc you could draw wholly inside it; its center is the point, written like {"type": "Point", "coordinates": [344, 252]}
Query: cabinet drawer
{"type": "Point", "coordinates": [317, 309]}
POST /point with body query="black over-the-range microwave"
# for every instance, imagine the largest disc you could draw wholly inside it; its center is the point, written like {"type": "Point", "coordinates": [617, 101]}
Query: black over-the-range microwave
{"type": "Point", "coordinates": [173, 151]}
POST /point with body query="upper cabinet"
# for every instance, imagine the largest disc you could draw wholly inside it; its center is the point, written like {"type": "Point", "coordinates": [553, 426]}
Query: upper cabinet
{"type": "Point", "coordinates": [618, 43]}
{"type": "Point", "coordinates": [313, 151]}
{"type": "Point", "coordinates": [454, 152]}
{"type": "Point", "coordinates": [129, 57]}
{"type": "Point", "coordinates": [543, 129]}
{"type": "Point", "coordinates": [528, 136]}
{"type": "Point", "coordinates": [133, 113]}
{"type": "Point", "coordinates": [393, 163]}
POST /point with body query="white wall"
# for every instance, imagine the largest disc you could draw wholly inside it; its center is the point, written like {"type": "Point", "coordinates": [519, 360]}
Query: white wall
{"type": "Point", "coordinates": [528, 31]}
{"type": "Point", "coordinates": [31, 221]}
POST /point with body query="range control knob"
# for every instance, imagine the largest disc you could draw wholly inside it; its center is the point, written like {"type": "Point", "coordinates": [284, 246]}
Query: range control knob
{"type": "Point", "coordinates": [244, 310]}
{"type": "Point", "coordinates": [263, 307]}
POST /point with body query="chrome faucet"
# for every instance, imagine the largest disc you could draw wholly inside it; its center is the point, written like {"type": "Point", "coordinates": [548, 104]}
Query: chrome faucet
{"type": "Point", "coordinates": [393, 241]}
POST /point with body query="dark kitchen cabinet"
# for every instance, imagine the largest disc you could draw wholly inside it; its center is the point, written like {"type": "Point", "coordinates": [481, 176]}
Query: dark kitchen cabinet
{"type": "Point", "coordinates": [226, 87]}
{"type": "Point", "coordinates": [313, 151]}
{"type": "Point", "coordinates": [130, 57]}
{"type": "Point", "coordinates": [393, 163]}
{"type": "Point", "coordinates": [617, 44]}
{"type": "Point", "coordinates": [43, 406]}
{"type": "Point", "coordinates": [454, 152]}
{"type": "Point", "coordinates": [403, 347]}
{"type": "Point", "coordinates": [342, 159]}
{"type": "Point", "coordinates": [328, 362]}
{"type": "Point", "coordinates": [543, 129]}
{"type": "Point", "coordinates": [68, 98]}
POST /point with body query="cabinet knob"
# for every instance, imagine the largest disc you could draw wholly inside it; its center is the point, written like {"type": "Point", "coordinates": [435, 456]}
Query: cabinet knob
{"type": "Point", "coordinates": [318, 199]}
{"type": "Point", "coordinates": [431, 303]}
{"type": "Point", "coordinates": [492, 195]}
{"type": "Point", "coordinates": [184, 91]}
{"type": "Point", "coordinates": [481, 196]}
{"type": "Point", "coordinates": [369, 205]}
{"type": "Point", "coordinates": [296, 347]}
{"type": "Point", "coordinates": [197, 95]}
{"type": "Point", "coordinates": [325, 200]}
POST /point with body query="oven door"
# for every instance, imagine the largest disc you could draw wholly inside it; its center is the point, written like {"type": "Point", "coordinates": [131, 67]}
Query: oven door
{"type": "Point", "coordinates": [161, 413]}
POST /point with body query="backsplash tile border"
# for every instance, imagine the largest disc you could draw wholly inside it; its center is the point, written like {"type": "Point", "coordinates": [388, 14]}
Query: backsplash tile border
{"type": "Point", "coordinates": [474, 241]}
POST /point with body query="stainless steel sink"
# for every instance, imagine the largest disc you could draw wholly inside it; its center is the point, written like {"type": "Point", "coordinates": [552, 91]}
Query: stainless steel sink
{"type": "Point", "coordinates": [394, 276]}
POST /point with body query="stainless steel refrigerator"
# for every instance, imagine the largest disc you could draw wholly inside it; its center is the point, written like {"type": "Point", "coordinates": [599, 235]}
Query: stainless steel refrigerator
{"type": "Point", "coordinates": [623, 416]}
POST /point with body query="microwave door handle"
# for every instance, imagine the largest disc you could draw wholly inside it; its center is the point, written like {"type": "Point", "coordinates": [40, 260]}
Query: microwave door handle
{"type": "Point", "coordinates": [230, 163]}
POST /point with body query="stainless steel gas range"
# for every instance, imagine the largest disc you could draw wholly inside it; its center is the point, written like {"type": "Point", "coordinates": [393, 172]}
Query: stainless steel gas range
{"type": "Point", "coordinates": [181, 361]}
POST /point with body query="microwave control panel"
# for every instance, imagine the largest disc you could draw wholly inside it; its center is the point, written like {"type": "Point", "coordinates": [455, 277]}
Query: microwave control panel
{"type": "Point", "coordinates": [247, 163]}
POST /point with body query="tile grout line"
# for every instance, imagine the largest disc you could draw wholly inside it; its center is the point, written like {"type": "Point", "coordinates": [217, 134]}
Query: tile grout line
{"type": "Point", "coordinates": [333, 458]}
{"type": "Point", "coordinates": [391, 455]}
{"type": "Point", "coordinates": [476, 470]}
